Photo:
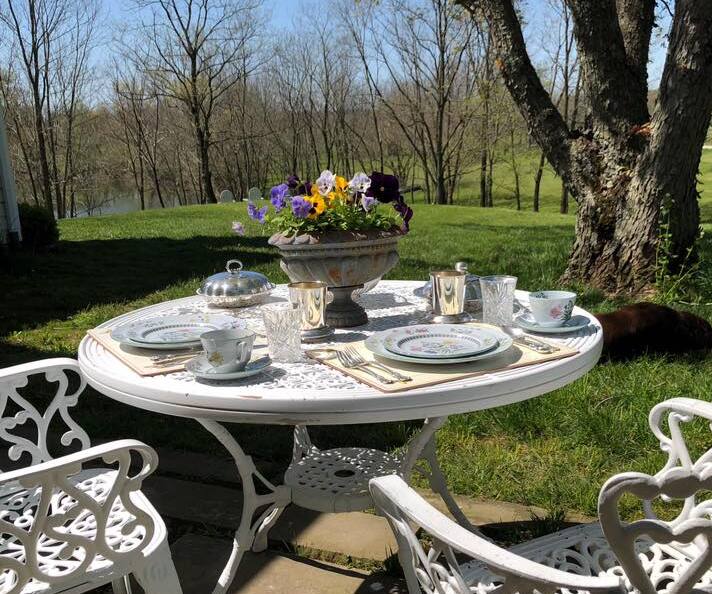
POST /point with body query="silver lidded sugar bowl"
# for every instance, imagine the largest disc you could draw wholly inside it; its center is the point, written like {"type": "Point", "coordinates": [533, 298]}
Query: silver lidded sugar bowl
{"type": "Point", "coordinates": [235, 287]}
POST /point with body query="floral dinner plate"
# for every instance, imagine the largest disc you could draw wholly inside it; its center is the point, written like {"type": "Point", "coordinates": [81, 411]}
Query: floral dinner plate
{"type": "Point", "coordinates": [442, 341]}
{"type": "Point", "coordinates": [374, 343]}
{"type": "Point", "coordinates": [175, 331]}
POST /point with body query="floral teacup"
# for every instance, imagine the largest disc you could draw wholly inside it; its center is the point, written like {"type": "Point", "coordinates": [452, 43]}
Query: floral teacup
{"type": "Point", "coordinates": [552, 308]}
{"type": "Point", "coordinates": [228, 350]}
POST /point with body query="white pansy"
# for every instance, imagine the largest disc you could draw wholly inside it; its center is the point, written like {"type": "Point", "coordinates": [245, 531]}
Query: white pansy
{"type": "Point", "coordinates": [326, 182]}
{"type": "Point", "coordinates": [360, 182]}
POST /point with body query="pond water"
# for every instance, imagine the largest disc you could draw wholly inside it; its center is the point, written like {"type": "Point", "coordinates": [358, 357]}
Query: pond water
{"type": "Point", "coordinates": [118, 203]}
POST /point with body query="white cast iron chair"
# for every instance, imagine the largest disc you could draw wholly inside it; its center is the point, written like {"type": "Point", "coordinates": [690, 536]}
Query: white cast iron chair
{"type": "Point", "coordinates": [647, 556]}
{"type": "Point", "coordinates": [66, 524]}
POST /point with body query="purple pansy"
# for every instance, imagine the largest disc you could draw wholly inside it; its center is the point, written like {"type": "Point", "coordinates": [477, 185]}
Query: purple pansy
{"type": "Point", "coordinates": [238, 228]}
{"type": "Point", "coordinates": [405, 211]}
{"type": "Point", "coordinates": [360, 182]}
{"type": "Point", "coordinates": [368, 202]}
{"type": "Point", "coordinates": [278, 196]}
{"type": "Point", "coordinates": [256, 214]}
{"type": "Point", "coordinates": [301, 207]}
{"type": "Point", "coordinates": [304, 188]}
{"type": "Point", "coordinates": [384, 188]}
{"type": "Point", "coordinates": [292, 182]}
{"type": "Point", "coordinates": [325, 182]}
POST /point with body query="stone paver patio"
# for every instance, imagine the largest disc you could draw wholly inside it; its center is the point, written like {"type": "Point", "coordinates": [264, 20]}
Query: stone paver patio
{"type": "Point", "coordinates": [199, 497]}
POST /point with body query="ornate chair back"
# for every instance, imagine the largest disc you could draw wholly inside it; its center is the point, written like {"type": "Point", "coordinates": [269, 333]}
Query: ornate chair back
{"type": "Point", "coordinates": [24, 427]}
{"type": "Point", "coordinates": [681, 481]}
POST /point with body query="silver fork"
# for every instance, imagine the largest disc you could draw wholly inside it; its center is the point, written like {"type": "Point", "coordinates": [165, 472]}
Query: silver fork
{"type": "Point", "coordinates": [168, 359]}
{"type": "Point", "coordinates": [358, 358]}
{"type": "Point", "coordinates": [347, 362]}
{"type": "Point", "coordinates": [545, 348]}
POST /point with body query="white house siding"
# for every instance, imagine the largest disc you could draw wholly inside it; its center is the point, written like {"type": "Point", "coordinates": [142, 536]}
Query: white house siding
{"type": "Point", "coordinates": [3, 218]}
{"type": "Point", "coordinates": [9, 218]}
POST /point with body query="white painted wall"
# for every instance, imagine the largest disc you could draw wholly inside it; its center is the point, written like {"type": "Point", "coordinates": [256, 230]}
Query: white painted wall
{"type": "Point", "coordinates": [9, 217]}
{"type": "Point", "coordinates": [3, 218]}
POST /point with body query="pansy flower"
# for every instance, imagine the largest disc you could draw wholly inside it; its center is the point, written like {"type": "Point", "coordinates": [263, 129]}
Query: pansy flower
{"type": "Point", "coordinates": [360, 182]}
{"type": "Point", "coordinates": [384, 188]}
{"type": "Point", "coordinates": [255, 213]}
{"type": "Point", "coordinates": [405, 211]}
{"type": "Point", "coordinates": [318, 205]}
{"type": "Point", "coordinates": [301, 207]}
{"type": "Point", "coordinates": [367, 202]}
{"type": "Point", "coordinates": [326, 182]}
{"type": "Point", "coordinates": [303, 188]}
{"type": "Point", "coordinates": [340, 183]}
{"type": "Point", "coordinates": [238, 228]}
{"type": "Point", "coordinates": [278, 196]}
{"type": "Point", "coordinates": [329, 199]}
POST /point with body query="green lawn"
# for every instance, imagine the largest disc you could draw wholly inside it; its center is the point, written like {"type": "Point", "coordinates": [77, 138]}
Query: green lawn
{"type": "Point", "coordinates": [554, 451]}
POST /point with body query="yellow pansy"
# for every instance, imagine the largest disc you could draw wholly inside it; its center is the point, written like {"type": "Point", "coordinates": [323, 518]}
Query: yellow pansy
{"type": "Point", "coordinates": [334, 197]}
{"type": "Point", "coordinates": [314, 193]}
{"type": "Point", "coordinates": [341, 183]}
{"type": "Point", "coordinates": [318, 205]}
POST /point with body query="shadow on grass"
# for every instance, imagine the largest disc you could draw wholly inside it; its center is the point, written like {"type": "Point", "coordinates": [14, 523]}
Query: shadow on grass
{"type": "Point", "coordinates": [82, 274]}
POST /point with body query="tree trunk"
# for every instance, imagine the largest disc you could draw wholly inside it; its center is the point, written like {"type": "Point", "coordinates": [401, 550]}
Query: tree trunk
{"type": "Point", "coordinates": [440, 186]}
{"type": "Point", "coordinates": [42, 150]}
{"type": "Point", "coordinates": [205, 172]}
{"type": "Point", "coordinates": [537, 181]}
{"type": "Point", "coordinates": [564, 203]}
{"type": "Point", "coordinates": [490, 181]}
{"type": "Point", "coordinates": [616, 235]}
{"type": "Point", "coordinates": [483, 179]}
{"type": "Point", "coordinates": [141, 184]}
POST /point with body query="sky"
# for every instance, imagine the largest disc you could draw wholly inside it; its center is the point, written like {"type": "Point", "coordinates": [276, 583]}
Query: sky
{"type": "Point", "coordinates": [281, 14]}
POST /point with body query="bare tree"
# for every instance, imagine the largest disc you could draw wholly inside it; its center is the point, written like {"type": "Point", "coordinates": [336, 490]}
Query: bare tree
{"type": "Point", "coordinates": [194, 50]}
{"type": "Point", "coordinates": [53, 39]}
{"type": "Point", "coordinates": [424, 66]}
{"type": "Point", "coordinates": [33, 24]}
{"type": "Point", "coordinates": [68, 90]}
{"type": "Point", "coordinates": [19, 120]}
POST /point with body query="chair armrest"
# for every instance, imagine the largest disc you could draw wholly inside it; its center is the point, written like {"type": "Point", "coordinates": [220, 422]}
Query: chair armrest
{"type": "Point", "coordinates": [110, 453]}
{"type": "Point", "coordinates": [41, 366]}
{"type": "Point", "coordinates": [76, 520]}
{"type": "Point", "coordinates": [403, 506]}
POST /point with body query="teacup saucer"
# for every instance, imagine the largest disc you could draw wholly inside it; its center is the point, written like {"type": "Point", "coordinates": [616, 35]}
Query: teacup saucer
{"type": "Point", "coordinates": [529, 323]}
{"type": "Point", "coordinates": [201, 367]}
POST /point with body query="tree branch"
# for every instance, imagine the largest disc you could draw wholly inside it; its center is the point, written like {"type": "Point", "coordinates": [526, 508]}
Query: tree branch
{"type": "Point", "coordinates": [682, 115]}
{"type": "Point", "coordinates": [616, 91]}
{"type": "Point", "coordinates": [545, 123]}
{"type": "Point", "coordinates": [636, 19]}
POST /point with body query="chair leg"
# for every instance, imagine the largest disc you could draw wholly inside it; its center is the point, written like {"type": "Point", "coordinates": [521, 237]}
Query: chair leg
{"type": "Point", "coordinates": [260, 543]}
{"type": "Point", "coordinates": [158, 573]}
{"type": "Point", "coordinates": [121, 586]}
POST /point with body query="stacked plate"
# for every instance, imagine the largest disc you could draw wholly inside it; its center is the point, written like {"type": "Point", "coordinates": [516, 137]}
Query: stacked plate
{"type": "Point", "coordinates": [171, 332]}
{"type": "Point", "coordinates": [438, 344]}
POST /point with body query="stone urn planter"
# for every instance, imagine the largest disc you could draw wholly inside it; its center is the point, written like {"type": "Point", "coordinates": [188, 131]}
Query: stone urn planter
{"type": "Point", "coordinates": [344, 260]}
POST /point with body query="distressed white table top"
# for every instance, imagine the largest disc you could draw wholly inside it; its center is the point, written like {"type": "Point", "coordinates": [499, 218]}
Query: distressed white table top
{"type": "Point", "coordinates": [312, 393]}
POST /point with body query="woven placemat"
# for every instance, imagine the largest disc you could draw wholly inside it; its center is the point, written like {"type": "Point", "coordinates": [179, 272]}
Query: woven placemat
{"type": "Point", "coordinates": [139, 360]}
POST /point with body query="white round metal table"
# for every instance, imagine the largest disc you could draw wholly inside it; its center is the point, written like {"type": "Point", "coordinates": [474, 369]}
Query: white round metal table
{"type": "Point", "coordinates": [310, 393]}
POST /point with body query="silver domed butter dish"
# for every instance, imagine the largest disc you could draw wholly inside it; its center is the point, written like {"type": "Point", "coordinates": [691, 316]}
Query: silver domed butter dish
{"type": "Point", "coordinates": [235, 287]}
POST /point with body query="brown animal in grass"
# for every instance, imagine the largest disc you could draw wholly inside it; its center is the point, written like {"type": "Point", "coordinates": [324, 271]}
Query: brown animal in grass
{"type": "Point", "coordinates": [650, 328]}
